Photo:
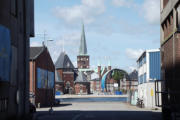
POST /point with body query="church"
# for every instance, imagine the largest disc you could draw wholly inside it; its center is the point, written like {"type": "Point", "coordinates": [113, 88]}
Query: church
{"type": "Point", "coordinates": [71, 80]}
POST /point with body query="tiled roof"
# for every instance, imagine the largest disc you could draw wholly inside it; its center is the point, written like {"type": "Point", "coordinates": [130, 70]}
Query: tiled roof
{"type": "Point", "coordinates": [81, 78]}
{"type": "Point", "coordinates": [133, 75]}
{"type": "Point", "coordinates": [63, 61]}
{"type": "Point", "coordinates": [83, 46]}
{"type": "Point", "coordinates": [35, 52]}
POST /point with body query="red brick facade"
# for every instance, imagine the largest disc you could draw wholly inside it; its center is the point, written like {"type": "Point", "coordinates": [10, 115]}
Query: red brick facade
{"type": "Point", "coordinates": [82, 88]}
{"type": "Point", "coordinates": [68, 78]}
{"type": "Point", "coordinates": [83, 62]}
{"type": "Point", "coordinates": [44, 96]}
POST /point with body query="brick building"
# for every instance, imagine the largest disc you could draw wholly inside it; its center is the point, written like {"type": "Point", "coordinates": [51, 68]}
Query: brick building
{"type": "Point", "coordinates": [16, 27]}
{"type": "Point", "coordinates": [94, 83]}
{"type": "Point", "coordinates": [170, 57]}
{"type": "Point", "coordinates": [59, 84]}
{"type": "Point", "coordinates": [83, 59]}
{"type": "Point", "coordinates": [42, 76]}
{"type": "Point", "coordinates": [82, 85]}
{"type": "Point", "coordinates": [66, 72]}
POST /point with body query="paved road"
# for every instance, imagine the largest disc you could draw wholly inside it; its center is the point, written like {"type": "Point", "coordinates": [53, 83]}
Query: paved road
{"type": "Point", "coordinates": [97, 111]}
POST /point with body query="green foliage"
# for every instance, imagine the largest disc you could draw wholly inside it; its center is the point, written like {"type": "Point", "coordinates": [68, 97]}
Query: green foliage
{"type": "Point", "coordinates": [118, 75]}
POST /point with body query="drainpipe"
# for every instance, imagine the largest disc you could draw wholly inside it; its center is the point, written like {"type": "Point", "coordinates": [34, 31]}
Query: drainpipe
{"type": "Point", "coordinates": [33, 72]}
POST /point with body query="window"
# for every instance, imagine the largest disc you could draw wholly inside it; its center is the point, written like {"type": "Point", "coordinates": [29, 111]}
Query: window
{"type": "Point", "coordinates": [145, 78]}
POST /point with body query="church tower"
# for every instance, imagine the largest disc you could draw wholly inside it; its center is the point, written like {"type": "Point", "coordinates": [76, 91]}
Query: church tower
{"type": "Point", "coordinates": [83, 57]}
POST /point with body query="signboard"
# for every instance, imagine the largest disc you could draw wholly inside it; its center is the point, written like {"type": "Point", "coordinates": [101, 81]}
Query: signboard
{"type": "Point", "coordinates": [5, 53]}
{"type": "Point", "coordinates": [116, 85]}
{"type": "Point", "coordinates": [152, 92]}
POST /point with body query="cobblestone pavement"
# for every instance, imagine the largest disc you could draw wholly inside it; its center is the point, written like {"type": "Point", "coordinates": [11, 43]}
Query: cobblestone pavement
{"type": "Point", "coordinates": [97, 111]}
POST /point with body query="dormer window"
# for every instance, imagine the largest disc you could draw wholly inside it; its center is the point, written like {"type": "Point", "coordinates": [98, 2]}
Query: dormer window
{"type": "Point", "coordinates": [68, 64]}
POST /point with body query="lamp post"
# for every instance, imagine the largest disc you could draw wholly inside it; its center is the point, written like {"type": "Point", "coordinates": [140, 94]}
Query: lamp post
{"type": "Point", "coordinates": [47, 66]}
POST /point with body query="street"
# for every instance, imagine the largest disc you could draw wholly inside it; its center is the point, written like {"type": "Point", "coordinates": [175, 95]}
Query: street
{"type": "Point", "coordinates": [97, 111]}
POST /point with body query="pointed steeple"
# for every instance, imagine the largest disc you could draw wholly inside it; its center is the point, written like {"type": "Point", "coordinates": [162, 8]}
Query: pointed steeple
{"type": "Point", "coordinates": [83, 46]}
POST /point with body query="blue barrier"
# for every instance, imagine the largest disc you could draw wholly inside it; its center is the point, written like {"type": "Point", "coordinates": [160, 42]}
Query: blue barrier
{"type": "Point", "coordinates": [118, 92]}
{"type": "Point", "coordinates": [58, 93]}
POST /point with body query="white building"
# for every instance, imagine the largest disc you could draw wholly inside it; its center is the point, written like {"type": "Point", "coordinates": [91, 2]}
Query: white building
{"type": "Point", "coordinates": [149, 70]}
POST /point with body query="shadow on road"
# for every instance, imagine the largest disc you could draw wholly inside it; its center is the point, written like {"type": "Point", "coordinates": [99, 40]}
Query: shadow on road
{"type": "Point", "coordinates": [98, 115]}
{"type": "Point", "coordinates": [63, 105]}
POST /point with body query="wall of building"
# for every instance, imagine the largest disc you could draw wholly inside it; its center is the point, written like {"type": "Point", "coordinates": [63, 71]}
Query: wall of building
{"type": "Point", "coordinates": [17, 17]}
{"type": "Point", "coordinates": [82, 88]}
{"type": "Point", "coordinates": [68, 77]}
{"type": "Point", "coordinates": [170, 54]}
{"type": "Point", "coordinates": [146, 92]}
{"type": "Point", "coordinates": [149, 67]}
{"type": "Point", "coordinates": [94, 86]}
{"type": "Point", "coordinates": [43, 96]}
{"type": "Point", "coordinates": [83, 62]}
{"type": "Point", "coordinates": [142, 69]}
{"type": "Point", "coordinates": [155, 65]}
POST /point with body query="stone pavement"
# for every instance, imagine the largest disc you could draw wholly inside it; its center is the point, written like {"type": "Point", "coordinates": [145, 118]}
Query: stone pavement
{"type": "Point", "coordinates": [97, 111]}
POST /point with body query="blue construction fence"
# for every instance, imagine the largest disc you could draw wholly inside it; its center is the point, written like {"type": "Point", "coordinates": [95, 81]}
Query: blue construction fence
{"type": "Point", "coordinates": [118, 92]}
{"type": "Point", "coordinates": [58, 93]}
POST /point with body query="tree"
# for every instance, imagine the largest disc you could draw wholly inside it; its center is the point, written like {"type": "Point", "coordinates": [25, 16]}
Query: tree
{"type": "Point", "coordinates": [118, 75]}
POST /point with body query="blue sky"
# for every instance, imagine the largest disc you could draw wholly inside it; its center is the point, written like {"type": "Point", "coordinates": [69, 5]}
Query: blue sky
{"type": "Point", "coordinates": [116, 30]}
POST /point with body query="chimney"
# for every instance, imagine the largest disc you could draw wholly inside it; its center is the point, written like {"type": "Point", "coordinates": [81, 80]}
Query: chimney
{"type": "Point", "coordinates": [99, 71]}
{"type": "Point", "coordinates": [109, 66]}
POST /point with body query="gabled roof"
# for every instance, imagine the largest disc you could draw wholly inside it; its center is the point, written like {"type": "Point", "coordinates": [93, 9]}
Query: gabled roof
{"type": "Point", "coordinates": [58, 77]}
{"type": "Point", "coordinates": [83, 46]}
{"type": "Point", "coordinates": [35, 52]}
{"type": "Point", "coordinates": [81, 78]}
{"type": "Point", "coordinates": [63, 61]}
{"type": "Point", "coordinates": [133, 75]}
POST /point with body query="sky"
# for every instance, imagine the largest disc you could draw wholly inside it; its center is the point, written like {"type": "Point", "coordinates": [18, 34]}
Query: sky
{"type": "Point", "coordinates": [117, 31]}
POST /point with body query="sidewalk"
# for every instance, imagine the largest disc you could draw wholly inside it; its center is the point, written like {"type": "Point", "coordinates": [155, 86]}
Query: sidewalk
{"type": "Point", "coordinates": [88, 96]}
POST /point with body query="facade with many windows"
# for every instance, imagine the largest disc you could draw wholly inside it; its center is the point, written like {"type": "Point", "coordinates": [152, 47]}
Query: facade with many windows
{"type": "Point", "coordinates": [149, 70]}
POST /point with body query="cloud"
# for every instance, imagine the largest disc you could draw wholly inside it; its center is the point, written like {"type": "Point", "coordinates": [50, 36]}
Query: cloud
{"type": "Point", "coordinates": [70, 43]}
{"type": "Point", "coordinates": [133, 53]}
{"type": "Point", "coordinates": [71, 39]}
{"type": "Point", "coordinates": [35, 43]}
{"type": "Point", "coordinates": [123, 3]}
{"type": "Point", "coordinates": [87, 11]}
{"type": "Point", "coordinates": [151, 10]}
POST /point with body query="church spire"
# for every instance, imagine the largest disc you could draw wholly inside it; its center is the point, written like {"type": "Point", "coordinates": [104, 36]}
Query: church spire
{"type": "Point", "coordinates": [83, 46]}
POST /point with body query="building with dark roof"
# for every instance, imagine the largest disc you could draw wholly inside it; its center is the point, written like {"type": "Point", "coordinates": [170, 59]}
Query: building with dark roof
{"type": "Point", "coordinates": [132, 82]}
{"type": "Point", "coordinates": [82, 85]}
{"type": "Point", "coordinates": [42, 76]}
{"type": "Point", "coordinates": [83, 59]}
{"type": "Point", "coordinates": [67, 72]}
